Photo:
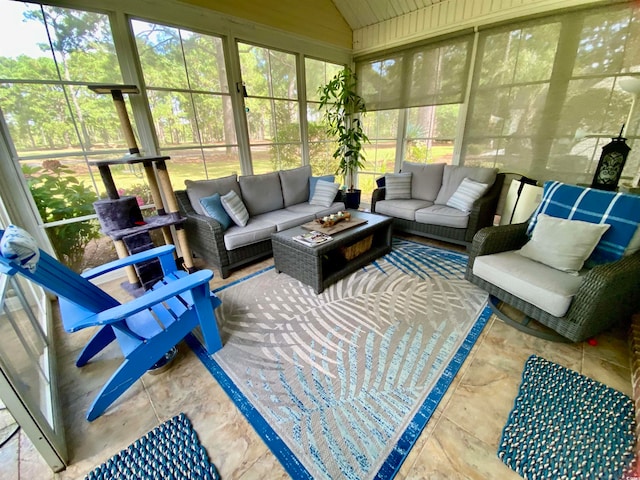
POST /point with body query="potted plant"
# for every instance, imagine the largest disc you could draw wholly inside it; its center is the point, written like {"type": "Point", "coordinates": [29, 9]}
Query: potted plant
{"type": "Point", "coordinates": [342, 108]}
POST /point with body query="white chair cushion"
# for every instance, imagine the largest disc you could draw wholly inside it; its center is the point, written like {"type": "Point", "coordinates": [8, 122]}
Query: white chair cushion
{"type": "Point", "coordinates": [547, 288]}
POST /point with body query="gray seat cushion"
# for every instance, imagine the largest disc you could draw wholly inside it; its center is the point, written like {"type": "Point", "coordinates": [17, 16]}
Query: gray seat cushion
{"type": "Point", "coordinates": [197, 189]}
{"type": "Point", "coordinates": [401, 208]}
{"type": "Point", "coordinates": [284, 219]}
{"type": "Point", "coordinates": [316, 210]}
{"type": "Point", "coordinates": [426, 179]}
{"type": "Point", "coordinates": [253, 232]}
{"type": "Point", "coordinates": [261, 193]}
{"type": "Point", "coordinates": [442, 215]}
{"type": "Point", "coordinates": [547, 288]}
{"type": "Point", "coordinates": [295, 185]}
{"type": "Point", "coordinates": [454, 174]}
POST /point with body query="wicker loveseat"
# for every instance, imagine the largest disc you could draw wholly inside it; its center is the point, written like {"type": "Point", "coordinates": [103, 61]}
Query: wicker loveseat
{"type": "Point", "coordinates": [426, 212]}
{"type": "Point", "coordinates": [275, 201]}
{"type": "Point", "coordinates": [576, 304]}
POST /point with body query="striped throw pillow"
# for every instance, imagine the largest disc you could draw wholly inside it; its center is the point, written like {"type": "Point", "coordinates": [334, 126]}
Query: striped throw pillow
{"type": "Point", "coordinates": [467, 193]}
{"type": "Point", "coordinates": [397, 186]}
{"type": "Point", "coordinates": [233, 205]}
{"type": "Point", "coordinates": [324, 193]}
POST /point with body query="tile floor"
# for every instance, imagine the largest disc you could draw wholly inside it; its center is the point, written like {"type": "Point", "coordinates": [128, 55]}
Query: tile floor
{"type": "Point", "coordinates": [459, 442]}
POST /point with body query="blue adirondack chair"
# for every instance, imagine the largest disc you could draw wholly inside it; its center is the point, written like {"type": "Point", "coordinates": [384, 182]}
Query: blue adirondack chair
{"type": "Point", "coordinates": [146, 328]}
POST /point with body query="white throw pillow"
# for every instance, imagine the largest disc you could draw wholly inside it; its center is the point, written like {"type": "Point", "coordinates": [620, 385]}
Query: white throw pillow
{"type": "Point", "coordinates": [397, 186]}
{"type": "Point", "coordinates": [324, 193]}
{"type": "Point", "coordinates": [563, 244]}
{"type": "Point", "coordinates": [233, 205]}
{"type": "Point", "coordinates": [467, 193]}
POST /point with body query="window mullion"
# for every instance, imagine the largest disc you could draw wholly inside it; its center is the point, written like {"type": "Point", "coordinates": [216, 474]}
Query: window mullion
{"type": "Point", "coordinates": [131, 69]}
{"type": "Point", "coordinates": [234, 75]}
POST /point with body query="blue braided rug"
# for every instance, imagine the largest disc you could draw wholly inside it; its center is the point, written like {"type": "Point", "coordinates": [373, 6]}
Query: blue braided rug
{"type": "Point", "coordinates": [170, 451]}
{"type": "Point", "coordinates": [566, 425]}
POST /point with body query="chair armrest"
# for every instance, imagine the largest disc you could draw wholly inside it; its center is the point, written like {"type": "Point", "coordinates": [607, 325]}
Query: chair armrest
{"type": "Point", "coordinates": [150, 298]}
{"type": "Point", "coordinates": [206, 236]}
{"type": "Point", "coordinates": [378, 194]}
{"type": "Point", "coordinates": [609, 292]}
{"type": "Point", "coordinates": [497, 239]}
{"type": "Point", "coordinates": [484, 209]}
{"type": "Point", "coordinates": [163, 253]}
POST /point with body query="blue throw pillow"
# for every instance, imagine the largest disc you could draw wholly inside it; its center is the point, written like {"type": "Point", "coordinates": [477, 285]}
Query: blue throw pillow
{"type": "Point", "coordinates": [314, 180]}
{"type": "Point", "coordinates": [213, 208]}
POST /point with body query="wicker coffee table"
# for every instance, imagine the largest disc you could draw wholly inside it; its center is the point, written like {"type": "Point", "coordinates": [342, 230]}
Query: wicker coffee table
{"type": "Point", "coordinates": [327, 263]}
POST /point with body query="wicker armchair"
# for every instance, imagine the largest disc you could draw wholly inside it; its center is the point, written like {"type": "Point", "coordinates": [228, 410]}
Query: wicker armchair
{"type": "Point", "coordinates": [609, 293]}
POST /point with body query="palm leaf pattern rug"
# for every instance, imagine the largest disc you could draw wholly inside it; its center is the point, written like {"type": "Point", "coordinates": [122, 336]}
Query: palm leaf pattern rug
{"type": "Point", "coordinates": [340, 385]}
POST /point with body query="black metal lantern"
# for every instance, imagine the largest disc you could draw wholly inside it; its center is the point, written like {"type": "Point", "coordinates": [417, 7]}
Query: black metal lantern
{"type": "Point", "coordinates": [612, 160]}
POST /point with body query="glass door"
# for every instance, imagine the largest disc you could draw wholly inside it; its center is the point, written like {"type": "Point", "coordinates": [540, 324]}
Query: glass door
{"type": "Point", "coordinates": [28, 382]}
{"type": "Point", "coordinates": [27, 367]}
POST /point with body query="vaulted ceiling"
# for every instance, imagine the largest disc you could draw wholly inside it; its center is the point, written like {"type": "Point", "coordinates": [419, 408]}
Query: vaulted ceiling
{"type": "Point", "coordinates": [361, 13]}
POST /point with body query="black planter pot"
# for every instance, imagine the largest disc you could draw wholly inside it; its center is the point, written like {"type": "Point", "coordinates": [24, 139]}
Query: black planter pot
{"type": "Point", "coordinates": [352, 199]}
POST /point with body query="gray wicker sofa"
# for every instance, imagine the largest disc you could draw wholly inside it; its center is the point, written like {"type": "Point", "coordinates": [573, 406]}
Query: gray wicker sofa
{"type": "Point", "coordinates": [275, 201]}
{"type": "Point", "coordinates": [427, 214]}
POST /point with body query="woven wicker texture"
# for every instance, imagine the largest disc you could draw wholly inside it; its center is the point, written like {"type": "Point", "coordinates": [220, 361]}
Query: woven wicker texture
{"type": "Point", "coordinates": [171, 450]}
{"type": "Point", "coordinates": [566, 425]}
{"type": "Point", "coordinates": [608, 294]}
{"type": "Point", "coordinates": [481, 216]}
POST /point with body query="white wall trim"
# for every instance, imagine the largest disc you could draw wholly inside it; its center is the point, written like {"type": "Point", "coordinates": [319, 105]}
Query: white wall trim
{"type": "Point", "coordinates": [451, 16]}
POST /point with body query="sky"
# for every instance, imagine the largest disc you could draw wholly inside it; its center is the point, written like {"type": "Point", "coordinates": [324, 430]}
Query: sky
{"type": "Point", "coordinates": [13, 27]}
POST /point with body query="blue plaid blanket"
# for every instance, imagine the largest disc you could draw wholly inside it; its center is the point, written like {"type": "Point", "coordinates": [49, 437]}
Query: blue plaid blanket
{"type": "Point", "coordinates": [620, 210]}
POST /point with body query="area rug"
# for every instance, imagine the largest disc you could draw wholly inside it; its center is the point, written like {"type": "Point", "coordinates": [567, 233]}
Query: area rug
{"type": "Point", "coordinates": [341, 384]}
{"type": "Point", "coordinates": [566, 425]}
{"type": "Point", "coordinates": [170, 451]}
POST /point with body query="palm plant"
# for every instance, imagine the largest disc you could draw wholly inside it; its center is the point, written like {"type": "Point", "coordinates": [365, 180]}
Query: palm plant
{"type": "Point", "coordinates": [342, 108]}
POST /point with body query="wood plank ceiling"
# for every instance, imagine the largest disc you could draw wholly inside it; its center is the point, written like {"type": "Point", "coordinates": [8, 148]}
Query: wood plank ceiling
{"type": "Point", "coordinates": [361, 13]}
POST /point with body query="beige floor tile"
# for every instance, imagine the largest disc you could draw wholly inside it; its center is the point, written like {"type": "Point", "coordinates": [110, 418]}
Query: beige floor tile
{"type": "Point", "coordinates": [460, 441]}
{"type": "Point", "coordinates": [611, 346]}
{"type": "Point", "coordinates": [610, 374]}
{"type": "Point", "coordinates": [453, 453]}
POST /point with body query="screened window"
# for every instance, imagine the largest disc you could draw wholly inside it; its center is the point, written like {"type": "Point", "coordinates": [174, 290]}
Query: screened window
{"type": "Point", "coordinates": [188, 93]}
{"type": "Point", "coordinates": [272, 108]}
{"type": "Point", "coordinates": [433, 74]}
{"type": "Point", "coordinates": [380, 154]}
{"type": "Point", "coordinates": [321, 147]}
{"type": "Point", "coordinates": [48, 55]}
{"type": "Point", "coordinates": [547, 94]}
{"type": "Point", "coordinates": [430, 133]}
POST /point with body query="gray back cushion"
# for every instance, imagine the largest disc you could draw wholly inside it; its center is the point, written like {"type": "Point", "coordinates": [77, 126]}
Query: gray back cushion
{"type": "Point", "coordinates": [426, 179]}
{"type": "Point", "coordinates": [197, 189]}
{"type": "Point", "coordinates": [295, 185]}
{"type": "Point", "coordinates": [261, 193]}
{"type": "Point", "coordinates": [454, 174]}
